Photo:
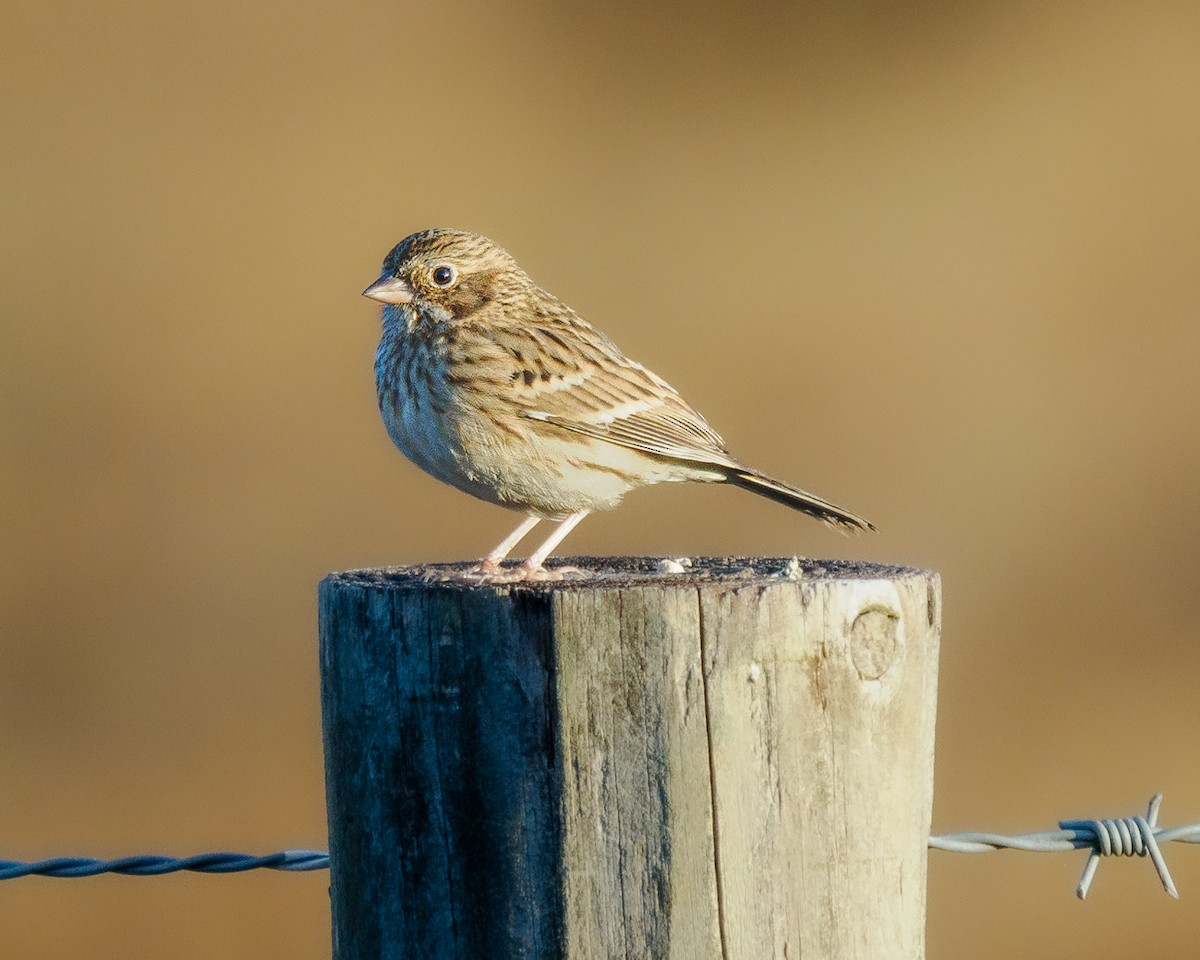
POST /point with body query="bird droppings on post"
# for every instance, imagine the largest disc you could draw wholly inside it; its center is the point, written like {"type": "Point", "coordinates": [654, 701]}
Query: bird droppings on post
{"type": "Point", "coordinates": [793, 570]}
{"type": "Point", "coordinates": [674, 564]}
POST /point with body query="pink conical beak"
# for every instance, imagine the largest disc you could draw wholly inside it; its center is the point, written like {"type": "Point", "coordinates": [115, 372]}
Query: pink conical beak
{"type": "Point", "coordinates": [389, 289]}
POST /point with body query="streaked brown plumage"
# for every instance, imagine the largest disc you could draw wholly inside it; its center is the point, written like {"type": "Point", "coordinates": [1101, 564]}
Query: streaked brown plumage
{"type": "Point", "coordinates": [494, 386]}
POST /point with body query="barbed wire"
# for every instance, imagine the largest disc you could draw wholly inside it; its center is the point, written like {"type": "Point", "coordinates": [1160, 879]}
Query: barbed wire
{"type": "Point", "coordinates": [148, 865]}
{"type": "Point", "coordinates": [1121, 837]}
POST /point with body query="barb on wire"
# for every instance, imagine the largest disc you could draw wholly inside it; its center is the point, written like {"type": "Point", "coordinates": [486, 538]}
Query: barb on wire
{"type": "Point", "coordinates": [151, 866]}
{"type": "Point", "coordinates": [1124, 837]}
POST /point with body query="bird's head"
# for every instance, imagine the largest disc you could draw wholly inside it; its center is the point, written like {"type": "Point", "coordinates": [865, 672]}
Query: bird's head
{"type": "Point", "coordinates": [447, 273]}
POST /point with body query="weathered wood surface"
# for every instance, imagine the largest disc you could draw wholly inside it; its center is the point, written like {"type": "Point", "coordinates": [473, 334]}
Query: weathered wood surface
{"type": "Point", "coordinates": [733, 763]}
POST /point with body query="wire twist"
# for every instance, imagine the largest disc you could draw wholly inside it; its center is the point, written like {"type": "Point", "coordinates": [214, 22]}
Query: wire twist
{"type": "Point", "coordinates": [148, 865]}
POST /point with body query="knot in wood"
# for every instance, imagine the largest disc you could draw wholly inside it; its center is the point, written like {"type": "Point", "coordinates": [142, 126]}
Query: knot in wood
{"type": "Point", "coordinates": [874, 641]}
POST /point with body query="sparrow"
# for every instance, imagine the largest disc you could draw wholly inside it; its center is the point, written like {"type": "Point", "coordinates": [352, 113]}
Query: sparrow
{"type": "Point", "coordinates": [495, 386]}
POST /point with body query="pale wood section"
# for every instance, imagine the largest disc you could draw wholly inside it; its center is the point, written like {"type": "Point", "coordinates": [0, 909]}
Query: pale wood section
{"type": "Point", "coordinates": [637, 823]}
{"type": "Point", "coordinates": [726, 764]}
{"type": "Point", "coordinates": [822, 776]}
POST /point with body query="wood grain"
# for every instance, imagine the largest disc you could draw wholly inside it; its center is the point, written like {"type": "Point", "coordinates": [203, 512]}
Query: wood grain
{"type": "Point", "coordinates": [732, 763]}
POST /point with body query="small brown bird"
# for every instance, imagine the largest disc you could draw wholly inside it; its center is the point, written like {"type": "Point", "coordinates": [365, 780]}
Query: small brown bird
{"type": "Point", "coordinates": [496, 387]}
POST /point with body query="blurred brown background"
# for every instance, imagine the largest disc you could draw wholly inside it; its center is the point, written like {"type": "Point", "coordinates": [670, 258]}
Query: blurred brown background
{"type": "Point", "coordinates": [940, 263]}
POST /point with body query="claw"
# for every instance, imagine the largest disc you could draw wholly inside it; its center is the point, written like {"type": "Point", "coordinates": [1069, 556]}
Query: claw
{"type": "Point", "coordinates": [486, 572]}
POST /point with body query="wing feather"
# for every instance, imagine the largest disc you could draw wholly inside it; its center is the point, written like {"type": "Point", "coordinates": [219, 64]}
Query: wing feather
{"type": "Point", "coordinates": [601, 393]}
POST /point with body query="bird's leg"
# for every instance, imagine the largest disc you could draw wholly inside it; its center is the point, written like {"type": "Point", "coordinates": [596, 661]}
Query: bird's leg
{"type": "Point", "coordinates": [533, 563]}
{"type": "Point", "coordinates": [491, 563]}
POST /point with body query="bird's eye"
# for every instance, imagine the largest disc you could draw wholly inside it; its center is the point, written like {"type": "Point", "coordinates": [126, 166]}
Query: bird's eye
{"type": "Point", "coordinates": [444, 275]}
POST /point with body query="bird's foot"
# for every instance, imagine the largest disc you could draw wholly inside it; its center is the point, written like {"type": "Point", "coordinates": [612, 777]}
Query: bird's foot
{"type": "Point", "coordinates": [548, 574]}
{"type": "Point", "coordinates": [482, 572]}
{"type": "Point", "coordinates": [491, 572]}
{"type": "Point", "coordinates": [488, 571]}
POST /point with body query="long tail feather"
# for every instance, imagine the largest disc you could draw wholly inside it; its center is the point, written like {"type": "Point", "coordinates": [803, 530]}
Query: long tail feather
{"type": "Point", "coordinates": [808, 503]}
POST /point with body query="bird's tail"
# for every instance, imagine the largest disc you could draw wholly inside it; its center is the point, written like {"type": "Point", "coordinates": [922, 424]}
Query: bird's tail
{"type": "Point", "coordinates": [808, 503]}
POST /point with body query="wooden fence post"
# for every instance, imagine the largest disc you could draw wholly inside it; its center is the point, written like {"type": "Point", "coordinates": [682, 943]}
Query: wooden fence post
{"type": "Point", "coordinates": [730, 763]}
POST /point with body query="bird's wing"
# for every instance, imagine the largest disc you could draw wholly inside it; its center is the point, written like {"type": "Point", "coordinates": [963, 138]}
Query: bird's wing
{"type": "Point", "coordinates": [574, 377]}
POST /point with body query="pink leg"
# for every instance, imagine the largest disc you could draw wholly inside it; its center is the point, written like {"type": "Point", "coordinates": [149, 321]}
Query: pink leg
{"type": "Point", "coordinates": [535, 559]}
{"type": "Point", "coordinates": [491, 563]}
